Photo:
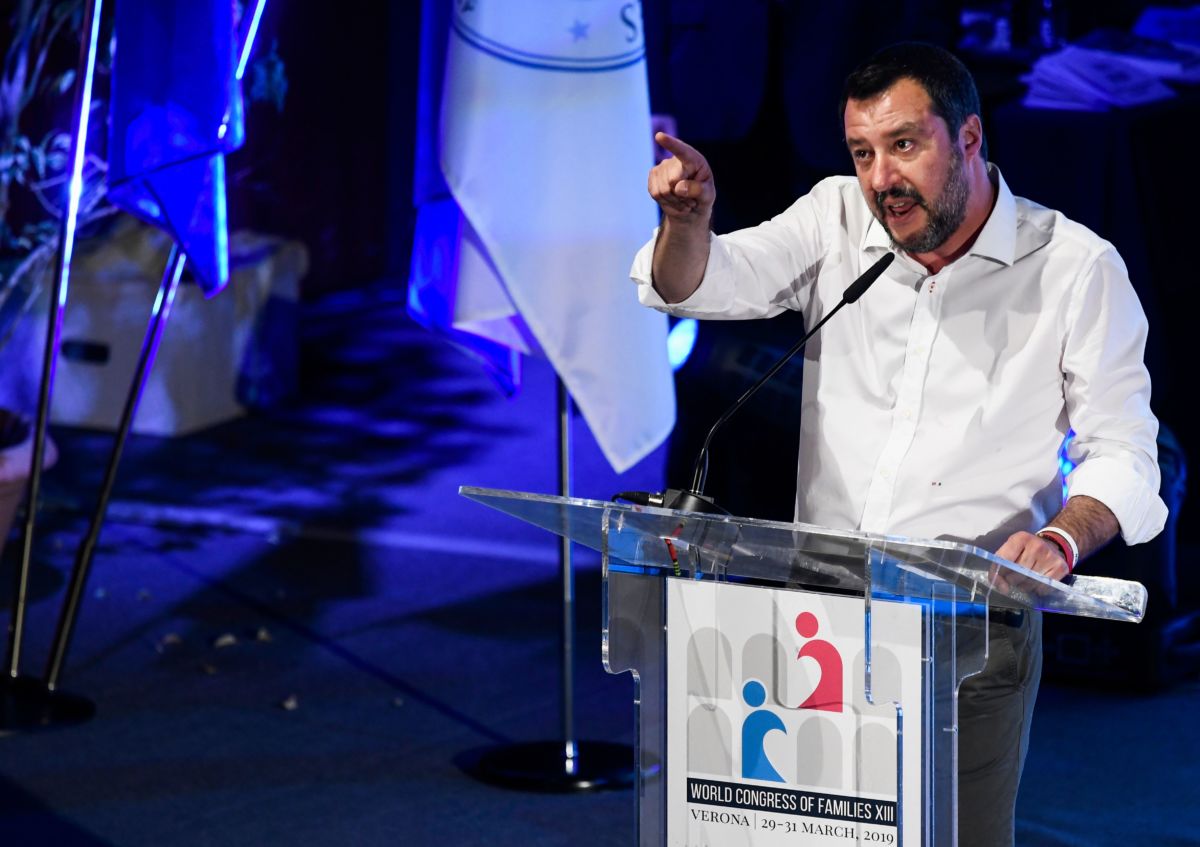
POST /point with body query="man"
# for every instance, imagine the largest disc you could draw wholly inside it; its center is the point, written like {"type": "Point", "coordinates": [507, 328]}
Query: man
{"type": "Point", "coordinates": [935, 406]}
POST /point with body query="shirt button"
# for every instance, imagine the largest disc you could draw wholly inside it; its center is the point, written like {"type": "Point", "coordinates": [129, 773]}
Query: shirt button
{"type": "Point", "coordinates": [906, 414]}
{"type": "Point", "coordinates": [885, 473]}
{"type": "Point", "coordinates": [921, 349]}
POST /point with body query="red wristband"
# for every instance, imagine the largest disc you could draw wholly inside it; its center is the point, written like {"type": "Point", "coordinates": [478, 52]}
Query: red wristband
{"type": "Point", "coordinates": [1067, 552]}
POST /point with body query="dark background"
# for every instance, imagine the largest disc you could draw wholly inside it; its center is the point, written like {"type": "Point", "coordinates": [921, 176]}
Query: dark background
{"type": "Point", "coordinates": [334, 168]}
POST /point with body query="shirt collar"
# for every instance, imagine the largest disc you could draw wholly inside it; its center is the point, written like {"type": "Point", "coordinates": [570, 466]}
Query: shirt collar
{"type": "Point", "coordinates": [874, 237]}
{"type": "Point", "coordinates": [997, 240]}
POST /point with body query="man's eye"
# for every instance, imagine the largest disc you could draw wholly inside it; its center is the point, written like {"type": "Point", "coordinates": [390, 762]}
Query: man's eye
{"type": "Point", "coordinates": [861, 155]}
{"type": "Point", "coordinates": [904, 145]}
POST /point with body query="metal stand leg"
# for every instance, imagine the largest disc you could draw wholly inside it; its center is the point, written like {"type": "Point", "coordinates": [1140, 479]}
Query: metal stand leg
{"type": "Point", "coordinates": [570, 753]}
{"type": "Point", "coordinates": [24, 701]}
{"type": "Point", "coordinates": [30, 703]}
{"type": "Point", "coordinates": [568, 764]}
{"type": "Point", "coordinates": [87, 549]}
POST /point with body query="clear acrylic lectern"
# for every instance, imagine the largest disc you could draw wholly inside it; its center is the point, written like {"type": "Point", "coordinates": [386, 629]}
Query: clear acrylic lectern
{"type": "Point", "coordinates": [794, 684]}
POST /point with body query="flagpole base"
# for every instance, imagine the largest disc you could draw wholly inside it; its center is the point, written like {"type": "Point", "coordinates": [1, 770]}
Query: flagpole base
{"type": "Point", "coordinates": [544, 766]}
{"type": "Point", "coordinates": [27, 705]}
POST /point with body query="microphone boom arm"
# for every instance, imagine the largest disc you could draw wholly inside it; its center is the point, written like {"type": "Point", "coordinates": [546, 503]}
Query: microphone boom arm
{"type": "Point", "coordinates": [852, 293]}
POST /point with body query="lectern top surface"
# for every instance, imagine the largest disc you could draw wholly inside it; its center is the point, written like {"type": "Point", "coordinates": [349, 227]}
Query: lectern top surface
{"type": "Point", "coordinates": [680, 543]}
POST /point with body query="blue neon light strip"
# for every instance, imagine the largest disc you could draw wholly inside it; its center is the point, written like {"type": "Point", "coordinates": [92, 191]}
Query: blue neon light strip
{"type": "Point", "coordinates": [79, 151]}
{"type": "Point", "coordinates": [248, 44]}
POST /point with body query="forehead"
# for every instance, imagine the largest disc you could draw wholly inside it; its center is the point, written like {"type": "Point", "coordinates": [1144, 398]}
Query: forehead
{"type": "Point", "coordinates": [905, 105]}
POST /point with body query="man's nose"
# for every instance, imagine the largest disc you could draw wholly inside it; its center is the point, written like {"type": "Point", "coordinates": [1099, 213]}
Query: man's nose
{"type": "Point", "coordinates": [883, 175]}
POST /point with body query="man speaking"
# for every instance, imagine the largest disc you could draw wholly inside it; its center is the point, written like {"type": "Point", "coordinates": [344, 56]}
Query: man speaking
{"type": "Point", "coordinates": [935, 407]}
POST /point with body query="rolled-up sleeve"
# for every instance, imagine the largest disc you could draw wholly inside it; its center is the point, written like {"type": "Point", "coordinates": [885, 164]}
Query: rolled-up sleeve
{"type": "Point", "coordinates": [1107, 389]}
{"type": "Point", "coordinates": [710, 300]}
{"type": "Point", "coordinates": [752, 273]}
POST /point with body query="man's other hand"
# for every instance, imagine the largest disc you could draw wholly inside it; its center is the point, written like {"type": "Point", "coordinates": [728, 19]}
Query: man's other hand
{"type": "Point", "coordinates": [683, 184]}
{"type": "Point", "coordinates": [1039, 555]}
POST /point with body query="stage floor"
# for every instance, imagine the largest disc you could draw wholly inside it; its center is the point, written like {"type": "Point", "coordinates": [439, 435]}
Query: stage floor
{"type": "Point", "coordinates": [294, 627]}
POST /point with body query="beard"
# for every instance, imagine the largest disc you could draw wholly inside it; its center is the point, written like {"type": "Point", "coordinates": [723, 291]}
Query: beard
{"type": "Point", "coordinates": [945, 215]}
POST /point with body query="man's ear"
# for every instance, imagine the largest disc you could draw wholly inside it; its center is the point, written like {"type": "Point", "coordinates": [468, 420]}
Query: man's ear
{"type": "Point", "coordinates": [970, 136]}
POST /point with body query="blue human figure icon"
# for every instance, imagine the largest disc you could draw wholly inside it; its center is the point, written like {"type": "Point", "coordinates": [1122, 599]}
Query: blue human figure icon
{"type": "Point", "coordinates": [754, 731]}
{"type": "Point", "coordinates": [828, 695]}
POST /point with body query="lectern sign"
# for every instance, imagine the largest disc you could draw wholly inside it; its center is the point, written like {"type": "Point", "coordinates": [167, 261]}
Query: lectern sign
{"type": "Point", "coordinates": [771, 738]}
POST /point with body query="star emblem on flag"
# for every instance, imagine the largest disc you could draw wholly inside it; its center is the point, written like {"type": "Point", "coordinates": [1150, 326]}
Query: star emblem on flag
{"type": "Point", "coordinates": [579, 30]}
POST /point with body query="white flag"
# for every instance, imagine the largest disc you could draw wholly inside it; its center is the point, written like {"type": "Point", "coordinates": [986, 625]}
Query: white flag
{"type": "Point", "coordinates": [545, 146]}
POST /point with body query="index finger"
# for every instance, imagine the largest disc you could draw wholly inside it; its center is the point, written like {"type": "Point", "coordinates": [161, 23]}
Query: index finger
{"type": "Point", "coordinates": [681, 150]}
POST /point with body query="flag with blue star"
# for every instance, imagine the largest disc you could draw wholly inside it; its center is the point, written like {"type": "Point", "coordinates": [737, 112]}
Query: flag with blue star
{"type": "Point", "coordinates": [531, 170]}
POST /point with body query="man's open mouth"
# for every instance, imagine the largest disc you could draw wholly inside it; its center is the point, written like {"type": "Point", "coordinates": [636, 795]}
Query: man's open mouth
{"type": "Point", "coordinates": [899, 209]}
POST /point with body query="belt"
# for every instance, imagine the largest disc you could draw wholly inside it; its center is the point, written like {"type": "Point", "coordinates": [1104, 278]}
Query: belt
{"type": "Point", "coordinates": [1009, 617]}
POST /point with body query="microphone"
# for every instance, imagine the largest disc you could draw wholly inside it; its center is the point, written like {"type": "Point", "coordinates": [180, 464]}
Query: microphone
{"type": "Point", "coordinates": [694, 498]}
{"type": "Point", "coordinates": [859, 287]}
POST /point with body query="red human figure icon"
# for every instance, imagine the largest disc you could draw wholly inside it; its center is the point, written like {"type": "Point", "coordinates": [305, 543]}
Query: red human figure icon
{"type": "Point", "coordinates": [827, 696]}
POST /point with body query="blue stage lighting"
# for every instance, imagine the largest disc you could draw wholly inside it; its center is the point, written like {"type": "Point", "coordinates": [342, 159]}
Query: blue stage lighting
{"type": "Point", "coordinates": [680, 342]}
{"type": "Point", "coordinates": [1064, 462]}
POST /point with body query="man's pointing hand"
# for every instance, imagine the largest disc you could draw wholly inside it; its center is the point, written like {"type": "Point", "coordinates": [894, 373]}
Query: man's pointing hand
{"type": "Point", "coordinates": [683, 184]}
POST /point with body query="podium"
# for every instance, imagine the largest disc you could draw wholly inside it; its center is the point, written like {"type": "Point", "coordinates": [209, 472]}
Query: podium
{"type": "Point", "coordinates": [796, 684]}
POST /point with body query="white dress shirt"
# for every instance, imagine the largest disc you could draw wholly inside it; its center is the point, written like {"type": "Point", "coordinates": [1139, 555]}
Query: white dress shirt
{"type": "Point", "coordinates": [935, 406]}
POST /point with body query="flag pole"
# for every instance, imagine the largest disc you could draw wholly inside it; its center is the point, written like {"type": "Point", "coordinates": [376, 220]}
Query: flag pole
{"type": "Point", "coordinates": [36, 704]}
{"type": "Point", "coordinates": [24, 701]}
{"type": "Point", "coordinates": [87, 548]}
{"type": "Point", "coordinates": [567, 764]}
{"type": "Point", "coordinates": [570, 760]}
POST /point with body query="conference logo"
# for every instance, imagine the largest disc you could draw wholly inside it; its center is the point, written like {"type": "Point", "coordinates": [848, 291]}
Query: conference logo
{"type": "Point", "coordinates": [827, 695]}
{"type": "Point", "coordinates": [576, 36]}
{"type": "Point", "coordinates": [772, 732]}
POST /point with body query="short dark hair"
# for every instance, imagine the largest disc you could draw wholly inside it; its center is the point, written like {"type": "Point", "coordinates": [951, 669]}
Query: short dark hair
{"type": "Point", "coordinates": [946, 80]}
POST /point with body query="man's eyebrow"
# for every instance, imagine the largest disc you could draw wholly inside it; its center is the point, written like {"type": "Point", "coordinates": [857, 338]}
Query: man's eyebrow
{"type": "Point", "coordinates": [906, 128]}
